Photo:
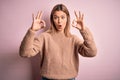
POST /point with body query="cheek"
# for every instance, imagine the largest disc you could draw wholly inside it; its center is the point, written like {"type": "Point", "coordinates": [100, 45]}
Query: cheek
{"type": "Point", "coordinates": [55, 22]}
{"type": "Point", "coordinates": [65, 21]}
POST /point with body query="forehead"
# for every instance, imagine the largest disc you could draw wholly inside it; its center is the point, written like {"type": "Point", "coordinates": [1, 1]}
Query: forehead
{"type": "Point", "coordinates": [59, 13]}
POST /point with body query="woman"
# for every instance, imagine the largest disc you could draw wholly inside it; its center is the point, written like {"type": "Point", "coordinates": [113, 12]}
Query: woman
{"type": "Point", "coordinates": [58, 48]}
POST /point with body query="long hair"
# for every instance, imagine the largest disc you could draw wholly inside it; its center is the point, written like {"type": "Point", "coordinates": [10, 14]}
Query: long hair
{"type": "Point", "coordinates": [60, 7]}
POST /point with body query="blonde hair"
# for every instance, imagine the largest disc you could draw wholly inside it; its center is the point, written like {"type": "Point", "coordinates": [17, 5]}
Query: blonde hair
{"type": "Point", "coordinates": [60, 7]}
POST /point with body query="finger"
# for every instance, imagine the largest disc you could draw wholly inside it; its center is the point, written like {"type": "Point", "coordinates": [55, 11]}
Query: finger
{"type": "Point", "coordinates": [40, 15]}
{"type": "Point", "coordinates": [82, 16]}
{"type": "Point", "coordinates": [43, 22]}
{"type": "Point", "coordinates": [74, 23]}
{"type": "Point", "coordinates": [76, 14]}
{"type": "Point", "coordinates": [33, 17]}
{"type": "Point", "coordinates": [79, 14]}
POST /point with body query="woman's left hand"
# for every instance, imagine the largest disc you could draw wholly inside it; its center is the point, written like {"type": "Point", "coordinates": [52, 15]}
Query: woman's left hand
{"type": "Point", "coordinates": [78, 22]}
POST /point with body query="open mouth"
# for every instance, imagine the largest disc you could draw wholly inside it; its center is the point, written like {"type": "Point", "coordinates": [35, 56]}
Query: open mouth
{"type": "Point", "coordinates": [59, 26]}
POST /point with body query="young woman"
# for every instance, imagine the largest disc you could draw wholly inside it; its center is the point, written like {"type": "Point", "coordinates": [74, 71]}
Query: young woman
{"type": "Point", "coordinates": [58, 48]}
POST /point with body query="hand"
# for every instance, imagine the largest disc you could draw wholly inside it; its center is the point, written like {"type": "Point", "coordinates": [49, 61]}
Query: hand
{"type": "Point", "coordinates": [37, 23]}
{"type": "Point", "coordinates": [78, 22]}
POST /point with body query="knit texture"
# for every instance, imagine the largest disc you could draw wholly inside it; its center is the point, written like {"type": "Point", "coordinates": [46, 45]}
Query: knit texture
{"type": "Point", "coordinates": [59, 54]}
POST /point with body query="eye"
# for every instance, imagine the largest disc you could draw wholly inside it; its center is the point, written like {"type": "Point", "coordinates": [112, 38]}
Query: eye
{"type": "Point", "coordinates": [55, 17]}
{"type": "Point", "coordinates": [63, 17]}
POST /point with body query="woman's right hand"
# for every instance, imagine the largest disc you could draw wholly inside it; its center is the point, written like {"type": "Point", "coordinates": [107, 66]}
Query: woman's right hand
{"type": "Point", "coordinates": [37, 23]}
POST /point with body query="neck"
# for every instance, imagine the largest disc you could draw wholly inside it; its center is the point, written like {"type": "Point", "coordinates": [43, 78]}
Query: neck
{"type": "Point", "coordinates": [60, 31]}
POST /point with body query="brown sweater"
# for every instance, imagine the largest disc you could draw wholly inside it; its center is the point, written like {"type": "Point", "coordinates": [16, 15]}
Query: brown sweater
{"type": "Point", "coordinates": [58, 53]}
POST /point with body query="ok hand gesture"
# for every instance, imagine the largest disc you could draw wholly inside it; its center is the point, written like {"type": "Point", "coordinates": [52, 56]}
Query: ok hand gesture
{"type": "Point", "coordinates": [37, 23]}
{"type": "Point", "coordinates": [78, 22]}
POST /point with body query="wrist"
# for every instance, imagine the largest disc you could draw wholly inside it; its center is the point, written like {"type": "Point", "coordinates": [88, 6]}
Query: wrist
{"type": "Point", "coordinates": [32, 28]}
{"type": "Point", "coordinates": [83, 28]}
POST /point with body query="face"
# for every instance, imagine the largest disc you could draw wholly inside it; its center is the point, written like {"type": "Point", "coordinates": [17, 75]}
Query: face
{"type": "Point", "coordinates": [60, 20]}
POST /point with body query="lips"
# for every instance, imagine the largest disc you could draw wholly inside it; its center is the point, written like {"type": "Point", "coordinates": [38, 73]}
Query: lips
{"type": "Point", "coordinates": [59, 26]}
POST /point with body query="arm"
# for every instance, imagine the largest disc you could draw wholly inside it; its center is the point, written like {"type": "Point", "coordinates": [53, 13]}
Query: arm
{"type": "Point", "coordinates": [87, 48]}
{"type": "Point", "coordinates": [32, 45]}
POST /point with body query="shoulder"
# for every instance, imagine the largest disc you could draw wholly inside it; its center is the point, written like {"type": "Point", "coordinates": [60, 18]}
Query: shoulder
{"type": "Point", "coordinates": [76, 38]}
{"type": "Point", "coordinates": [73, 36]}
{"type": "Point", "coordinates": [44, 35]}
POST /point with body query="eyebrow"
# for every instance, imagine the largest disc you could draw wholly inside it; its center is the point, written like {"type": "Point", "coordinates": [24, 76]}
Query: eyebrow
{"type": "Point", "coordinates": [60, 15]}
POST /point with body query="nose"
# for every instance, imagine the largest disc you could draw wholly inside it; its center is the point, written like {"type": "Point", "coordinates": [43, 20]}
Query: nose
{"type": "Point", "coordinates": [59, 20]}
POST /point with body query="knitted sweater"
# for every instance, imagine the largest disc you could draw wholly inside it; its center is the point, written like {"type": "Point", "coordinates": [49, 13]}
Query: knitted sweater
{"type": "Point", "coordinates": [58, 53]}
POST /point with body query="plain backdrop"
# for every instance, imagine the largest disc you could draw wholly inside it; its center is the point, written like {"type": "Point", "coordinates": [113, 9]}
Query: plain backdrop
{"type": "Point", "coordinates": [102, 17]}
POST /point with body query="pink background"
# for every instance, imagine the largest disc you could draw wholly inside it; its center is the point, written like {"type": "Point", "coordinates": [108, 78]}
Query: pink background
{"type": "Point", "coordinates": [101, 16]}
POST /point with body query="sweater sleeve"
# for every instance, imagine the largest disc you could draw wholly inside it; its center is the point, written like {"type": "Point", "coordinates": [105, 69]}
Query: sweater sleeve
{"type": "Point", "coordinates": [30, 45]}
{"type": "Point", "coordinates": [87, 48]}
